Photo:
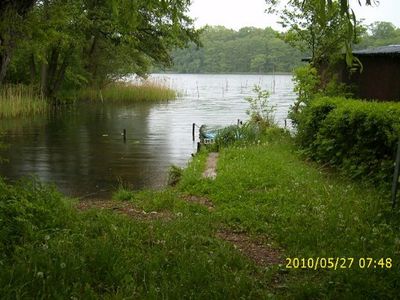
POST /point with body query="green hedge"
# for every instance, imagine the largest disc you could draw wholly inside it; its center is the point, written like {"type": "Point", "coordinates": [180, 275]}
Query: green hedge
{"type": "Point", "coordinates": [355, 136]}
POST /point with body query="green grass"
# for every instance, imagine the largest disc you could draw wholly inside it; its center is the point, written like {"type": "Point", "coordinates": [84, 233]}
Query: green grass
{"type": "Point", "coordinates": [20, 100]}
{"type": "Point", "coordinates": [267, 189]}
{"type": "Point", "coordinates": [129, 92]}
{"type": "Point", "coordinates": [51, 251]}
{"type": "Point", "coordinates": [264, 188]}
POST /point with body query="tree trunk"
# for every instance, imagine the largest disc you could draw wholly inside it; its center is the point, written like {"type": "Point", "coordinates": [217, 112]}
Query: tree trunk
{"type": "Point", "coordinates": [32, 69]}
{"type": "Point", "coordinates": [91, 64]}
{"type": "Point", "coordinates": [61, 72]}
{"type": "Point", "coordinates": [54, 73]}
{"type": "Point", "coordinates": [43, 78]}
{"type": "Point", "coordinates": [5, 60]}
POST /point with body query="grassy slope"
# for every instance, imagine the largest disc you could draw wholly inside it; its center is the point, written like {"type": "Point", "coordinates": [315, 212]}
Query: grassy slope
{"type": "Point", "coordinates": [263, 189]}
{"type": "Point", "coordinates": [267, 189]}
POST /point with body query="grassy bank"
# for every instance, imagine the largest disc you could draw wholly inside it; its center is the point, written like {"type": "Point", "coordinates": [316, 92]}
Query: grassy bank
{"type": "Point", "coordinates": [268, 190]}
{"type": "Point", "coordinates": [20, 100]}
{"type": "Point", "coordinates": [129, 92]}
{"type": "Point", "coordinates": [164, 246]}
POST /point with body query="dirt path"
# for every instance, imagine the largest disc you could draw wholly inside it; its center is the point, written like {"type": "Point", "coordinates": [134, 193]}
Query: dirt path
{"type": "Point", "coordinates": [257, 250]}
{"type": "Point", "coordinates": [199, 200]}
{"type": "Point", "coordinates": [211, 166]}
{"type": "Point", "coordinates": [125, 208]}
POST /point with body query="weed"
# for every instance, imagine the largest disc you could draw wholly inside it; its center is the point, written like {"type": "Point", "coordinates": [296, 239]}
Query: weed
{"type": "Point", "coordinates": [174, 175]}
{"type": "Point", "coordinates": [20, 100]}
{"type": "Point", "coordinates": [129, 92]}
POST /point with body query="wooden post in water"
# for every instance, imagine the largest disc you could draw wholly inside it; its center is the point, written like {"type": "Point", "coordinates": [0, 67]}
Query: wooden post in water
{"type": "Point", "coordinates": [193, 131]}
{"type": "Point", "coordinates": [124, 135]}
{"type": "Point", "coordinates": [396, 176]}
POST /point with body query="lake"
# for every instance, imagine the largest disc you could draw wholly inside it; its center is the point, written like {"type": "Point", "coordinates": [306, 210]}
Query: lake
{"type": "Point", "coordinates": [82, 151]}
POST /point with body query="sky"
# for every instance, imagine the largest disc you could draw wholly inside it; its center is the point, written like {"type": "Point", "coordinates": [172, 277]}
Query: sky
{"type": "Point", "coordinates": [236, 14]}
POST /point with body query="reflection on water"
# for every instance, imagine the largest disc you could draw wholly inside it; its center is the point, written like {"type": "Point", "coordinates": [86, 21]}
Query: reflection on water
{"type": "Point", "coordinates": [83, 152]}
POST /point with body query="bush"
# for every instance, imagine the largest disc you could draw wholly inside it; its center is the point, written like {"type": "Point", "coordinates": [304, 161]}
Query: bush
{"type": "Point", "coordinates": [174, 175]}
{"type": "Point", "coordinates": [29, 211]}
{"type": "Point", "coordinates": [261, 112]}
{"type": "Point", "coordinates": [357, 137]}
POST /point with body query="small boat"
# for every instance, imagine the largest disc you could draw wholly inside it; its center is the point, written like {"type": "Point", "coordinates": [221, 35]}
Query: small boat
{"type": "Point", "coordinates": [208, 134]}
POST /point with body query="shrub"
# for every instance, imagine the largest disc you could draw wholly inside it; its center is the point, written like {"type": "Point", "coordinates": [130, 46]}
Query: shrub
{"type": "Point", "coordinates": [309, 85]}
{"type": "Point", "coordinates": [261, 112]}
{"type": "Point", "coordinates": [29, 211]}
{"type": "Point", "coordinates": [123, 194]}
{"type": "Point", "coordinates": [356, 136]}
{"type": "Point", "coordinates": [306, 81]}
{"type": "Point", "coordinates": [174, 175]}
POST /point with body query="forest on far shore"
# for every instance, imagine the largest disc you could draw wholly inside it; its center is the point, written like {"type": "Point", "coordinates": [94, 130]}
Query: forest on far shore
{"type": "Point", "coordinates": [255, 50]}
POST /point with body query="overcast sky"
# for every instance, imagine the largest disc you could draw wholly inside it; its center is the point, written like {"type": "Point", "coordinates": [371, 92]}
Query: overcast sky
{"type": "Point", "coordinates": [236, 14]}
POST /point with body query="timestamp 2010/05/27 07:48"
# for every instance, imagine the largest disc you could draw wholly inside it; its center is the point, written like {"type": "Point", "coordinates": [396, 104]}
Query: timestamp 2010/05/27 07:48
{"type": "Point", "coordinates": [336, 263]}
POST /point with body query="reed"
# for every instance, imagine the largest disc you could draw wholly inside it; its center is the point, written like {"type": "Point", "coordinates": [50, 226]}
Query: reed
{"type": "Point", "coordinates": [20, 100]}
{"type": "Point", "coordinates": [129, 92]}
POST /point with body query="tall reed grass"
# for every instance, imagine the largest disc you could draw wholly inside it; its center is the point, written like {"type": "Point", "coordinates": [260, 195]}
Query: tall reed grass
{"type": "Point", "coordinates": [129, 92]}
{"type": "Point", "coordinates": [20, 100]}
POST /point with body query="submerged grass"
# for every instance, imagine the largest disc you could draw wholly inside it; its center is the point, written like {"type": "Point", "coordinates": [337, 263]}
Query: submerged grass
{"type": "Point", "coordinates": [21, 100]}
{"type": "Point", "coordinates": [263, 189]}
{"type": "Point", "coordinates": [129, 92]}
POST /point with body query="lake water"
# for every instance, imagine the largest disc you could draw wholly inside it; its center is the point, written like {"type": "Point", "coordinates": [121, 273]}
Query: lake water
{"type": "Point", "coordinates": [82, 151]}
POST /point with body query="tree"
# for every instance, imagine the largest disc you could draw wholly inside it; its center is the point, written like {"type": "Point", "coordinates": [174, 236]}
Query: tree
{"type": "Point", "coordinates": [12, 18]}
{"type": "Point", "coordinates": [345, 11]}
{"type": "Point", "coordinates": [383, 30]}
{"type": "Point", "coordinates": [316, 28]}
{"type": "Point", "coordinates": [143, 33]}
{"type": "Point", "coordinates": [228, 51]}
{"type": "Point", "coordinates": [70, 43]}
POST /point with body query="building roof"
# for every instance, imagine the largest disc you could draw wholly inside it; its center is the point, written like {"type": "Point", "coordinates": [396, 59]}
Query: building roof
{"type": "Point", "coordinates": [391, 50]}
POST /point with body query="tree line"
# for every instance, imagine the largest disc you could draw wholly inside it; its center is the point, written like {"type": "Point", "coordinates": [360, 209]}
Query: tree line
{"type": "Point", "coordinates": [255, 50]}
{"type": "Point", "coordinates": [228, 51]}
{"type": "Point", "coordinates": [62, 45]}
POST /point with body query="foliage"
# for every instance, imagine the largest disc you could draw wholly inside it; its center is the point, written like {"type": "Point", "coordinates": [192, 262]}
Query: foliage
{"type": "Point", "coordinates": [316, 27]}
{"type": "Point", "coordinates": [228, 51]}
{"type": "Point", "coordinates": [306, 82]}
{"type": "Point", "coordinates": [13, 15]}
{"type": "Point", "coordinates": [123, 194]}
{"type": "Point", "coordinates": [379, 34]}
{"type": "Point", "coordinates": [261, 112]}
{"type": "Point", "coordinates": [66, 45]}
{"type": "Point", "coordinates": [174, 175]}
{"type": "Point", "coordinates": [308, 86]}
{"type": "Point", "coordinates": [29, 211]}
{"type": "Point", "coordinates": [357, 137]}
{"type": "Point", "coordinates": [321, 15]}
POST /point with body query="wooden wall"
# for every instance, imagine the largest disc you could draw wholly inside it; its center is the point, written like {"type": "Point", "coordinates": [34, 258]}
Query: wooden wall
{"type": "Point", "coordinates": [379, 80]}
